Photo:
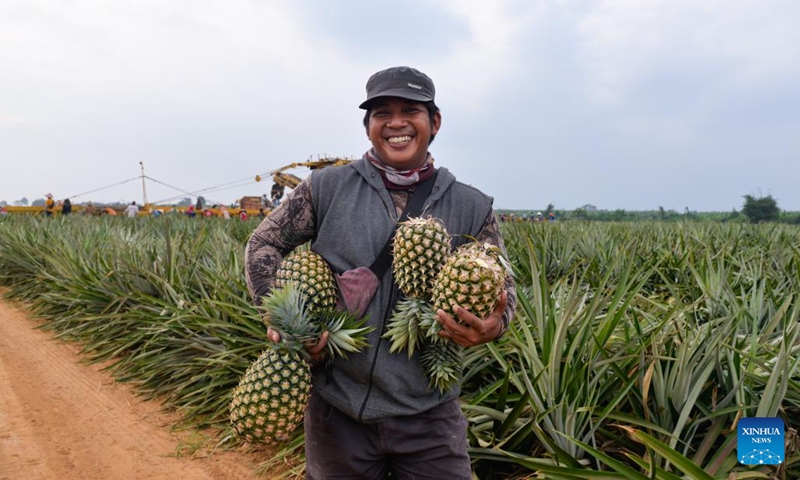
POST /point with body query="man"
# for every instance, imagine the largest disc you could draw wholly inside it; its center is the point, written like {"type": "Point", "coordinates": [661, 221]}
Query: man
{"type": "Point", "coordinates": [49, 205]}
{"type": "Point", "coordinates": [132, 210]}
{"type": "Point", "coordinates": [373, 413]}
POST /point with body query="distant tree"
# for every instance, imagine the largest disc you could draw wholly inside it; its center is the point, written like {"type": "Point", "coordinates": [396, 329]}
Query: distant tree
{"type": "Point", "coordinates": [39, 202]}
{"type": "Point", "coordinates": [580, 214]}
{"type": "Point", "coordinates": [618, 215]}
{"type": "Point", "coordinates": [762, 209]}
{"type": "Point", "coordinates": [185, 202]}
{"type": "Point", "coordinates": [550, 208]}
{"type": "Point", "coordinates": [22, 202]}
{"type": "Point", "coordinates": [201, 203]}
{"type": "Point", "coordinates": [3, 203]}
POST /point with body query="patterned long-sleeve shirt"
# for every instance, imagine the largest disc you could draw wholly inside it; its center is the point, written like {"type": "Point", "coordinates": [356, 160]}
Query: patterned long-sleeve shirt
{"type": "Point", "coordinates": [294, 223]}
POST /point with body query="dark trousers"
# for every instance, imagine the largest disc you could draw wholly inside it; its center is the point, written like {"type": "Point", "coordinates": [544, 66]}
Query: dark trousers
{"type": "Point", "coordinates": [430, 445]}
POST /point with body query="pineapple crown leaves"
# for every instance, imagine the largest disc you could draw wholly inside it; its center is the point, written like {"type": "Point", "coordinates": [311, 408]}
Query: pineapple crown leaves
{"type": "Point", "coordinates": [286, 311]}
{"type": "Point", "coordinates": [492, 250]}
{"type": "Point", "coordinates": [443, 363]}
{"type": "Point", "coordinates": [346, 332]}
{"type": "Point", "coordinates": [406, 326]}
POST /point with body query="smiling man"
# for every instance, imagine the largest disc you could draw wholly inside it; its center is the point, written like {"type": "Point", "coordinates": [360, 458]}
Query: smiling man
{"type": "Point", "coordinates": [374, 412]}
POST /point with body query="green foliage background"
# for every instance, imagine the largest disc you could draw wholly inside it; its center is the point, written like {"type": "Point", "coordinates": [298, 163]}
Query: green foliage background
{"type": "Point", "coordinates": [636, 345]}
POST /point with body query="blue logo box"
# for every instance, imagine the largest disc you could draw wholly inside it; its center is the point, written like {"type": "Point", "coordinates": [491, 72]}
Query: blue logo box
{"type": "Point", "coordinates": [760, 441]}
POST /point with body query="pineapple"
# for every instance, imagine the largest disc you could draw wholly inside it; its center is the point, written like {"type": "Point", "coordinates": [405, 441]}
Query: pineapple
{"type": "Point", "coordinates": [269, 401]}
{"type": "Point", "coordinates": [473, 278]}
{"type": "Point", "coordinates": [312, 275]}
{"type": "Point", "coordinates": [420, 248]}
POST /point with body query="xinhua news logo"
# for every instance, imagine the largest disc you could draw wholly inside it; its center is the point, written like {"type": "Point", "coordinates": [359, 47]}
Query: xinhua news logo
{"type": "Point", "coordinates": [760, 441]}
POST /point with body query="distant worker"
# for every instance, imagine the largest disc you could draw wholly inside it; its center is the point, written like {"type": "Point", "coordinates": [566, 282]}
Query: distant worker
{"type": "Point", "coordinates": [552, 217]}
{"type": "Point", "coordinates": [3, 211]}
{"type": "Point", "coordinates": [132, 210]}
{"type": "Point", "coordinates": [276, 193]}
{"type": "Point", "coordinates": [49, 205]}
{"type": "Point", "coordinates": [109, 211]}
{"type": "Point", "coordinates": [156, 212]}
{"type": "Point", "coordinates": [88, 209]}
{"type": "Point", "coordinates": [190, 211]}
{"type": "Point", "coordinates": [242, 214]}
{"type": "Point", "coordinates": [208, 213]}
{"type": "Point", "coordinates": [66, 207]}
{"type": "Point", "coordinates": [539, 217]}
{"type": "Point", "coordinates": [223, 211]}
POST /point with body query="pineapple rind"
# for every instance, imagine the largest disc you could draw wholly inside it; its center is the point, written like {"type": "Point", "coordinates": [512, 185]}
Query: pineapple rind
{"type": "Point", "coordinates": [472, 278]}
{"type": "Point", "coordinates": [281, 382]}
{"type": "Point", "coordinates": [312, 275]}
{"type": "Point", "coordinates": [420, 247]}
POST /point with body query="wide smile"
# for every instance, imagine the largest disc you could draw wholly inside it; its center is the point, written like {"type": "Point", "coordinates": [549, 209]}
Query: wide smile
{"type": "Point", "coordinates": [399, 141]}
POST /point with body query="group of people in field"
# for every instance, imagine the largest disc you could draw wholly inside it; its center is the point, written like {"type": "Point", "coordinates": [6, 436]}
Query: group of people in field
{"type": "Point", "coordinates": [511, 217]}
{"type": "Point", "coordinates": [134, 210]}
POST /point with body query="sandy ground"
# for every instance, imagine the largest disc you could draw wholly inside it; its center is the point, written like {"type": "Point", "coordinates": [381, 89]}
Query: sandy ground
{"type": "Point", "coordinates": [61, 418]}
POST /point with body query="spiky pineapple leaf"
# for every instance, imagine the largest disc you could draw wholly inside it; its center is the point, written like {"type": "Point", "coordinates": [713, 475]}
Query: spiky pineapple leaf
{"type": "Point", "coordinates": [346, 332]}
{"type": "Point", "coordinates": [442, 362]}
{"type": "Point", "coordinates": [404, 325]}
{"type": "Point", "coordinates": [286, 311]}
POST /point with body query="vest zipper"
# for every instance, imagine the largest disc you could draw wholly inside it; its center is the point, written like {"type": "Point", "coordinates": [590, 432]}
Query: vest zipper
{"type": "Point", "coordinates": [389, 307]}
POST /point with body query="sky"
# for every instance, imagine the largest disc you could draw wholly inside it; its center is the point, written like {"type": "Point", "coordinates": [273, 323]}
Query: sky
{"type": "Point", "coordinates": [620, 104]}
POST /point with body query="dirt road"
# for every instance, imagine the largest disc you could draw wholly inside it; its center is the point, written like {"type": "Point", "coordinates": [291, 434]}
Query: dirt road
{"type": "Point", "coordinates": [63, 419]}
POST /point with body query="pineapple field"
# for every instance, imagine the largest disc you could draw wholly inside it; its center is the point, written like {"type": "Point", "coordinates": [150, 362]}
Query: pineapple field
{"type": "Point", "coordinates": [635, 348]}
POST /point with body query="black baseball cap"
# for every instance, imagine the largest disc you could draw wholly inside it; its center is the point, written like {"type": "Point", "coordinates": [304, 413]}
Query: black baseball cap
{"type": "Point", "coordinates": [403, 82]}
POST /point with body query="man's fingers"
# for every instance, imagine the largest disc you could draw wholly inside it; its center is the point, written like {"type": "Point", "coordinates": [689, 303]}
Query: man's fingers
{"type": "Point", "coordinates": [316, 350]}
{"type": "Point", "coordinates": [273, 335]}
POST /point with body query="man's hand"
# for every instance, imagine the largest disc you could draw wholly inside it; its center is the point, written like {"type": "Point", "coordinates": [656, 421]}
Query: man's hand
{"type": "Point", "coordinates": [315, 350]}
{"type": "Point", "coordinates": [474, 330]}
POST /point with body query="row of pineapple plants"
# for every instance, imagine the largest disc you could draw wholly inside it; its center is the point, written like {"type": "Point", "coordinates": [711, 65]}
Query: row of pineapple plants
{"type": "Point", "coordinates": [635, 348]}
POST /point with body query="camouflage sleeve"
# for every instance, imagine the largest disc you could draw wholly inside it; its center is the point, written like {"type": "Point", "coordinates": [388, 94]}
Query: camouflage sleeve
{"type": "Point", "coordinates": [285, 228]}
{"type": "Point", "coordinates": [490, 233]}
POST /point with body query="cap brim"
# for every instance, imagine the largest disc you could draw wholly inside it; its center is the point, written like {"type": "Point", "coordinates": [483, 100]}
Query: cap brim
{"type": "Point", "coordinates": [396, 92]}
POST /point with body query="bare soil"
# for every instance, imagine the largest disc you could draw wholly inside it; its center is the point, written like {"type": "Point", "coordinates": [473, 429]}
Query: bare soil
{"type": "Point", "coordinates": [61, 418]}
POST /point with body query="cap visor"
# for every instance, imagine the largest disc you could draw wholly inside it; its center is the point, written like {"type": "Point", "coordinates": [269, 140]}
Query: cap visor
{"type": "Point", "coordinates": [397, 92]}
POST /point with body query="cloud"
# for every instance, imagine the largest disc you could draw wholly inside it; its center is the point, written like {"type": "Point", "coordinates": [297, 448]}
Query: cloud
{"type": "Point", "coordinates": [739, 43]}
{"type": "Point", "coordinates": [492, 52]}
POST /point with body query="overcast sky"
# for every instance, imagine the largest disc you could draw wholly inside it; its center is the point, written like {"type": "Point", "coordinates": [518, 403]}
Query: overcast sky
{"type": "Point", "coordinates": [623, 104]}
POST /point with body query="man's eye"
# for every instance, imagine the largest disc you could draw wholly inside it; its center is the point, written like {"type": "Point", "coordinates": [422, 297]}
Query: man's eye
{"type": "Point", "coordinates": [412, 110]}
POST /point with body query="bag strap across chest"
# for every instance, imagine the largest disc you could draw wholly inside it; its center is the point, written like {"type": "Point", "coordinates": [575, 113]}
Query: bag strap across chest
{"type": "Point", "coordinates": [413, 209]}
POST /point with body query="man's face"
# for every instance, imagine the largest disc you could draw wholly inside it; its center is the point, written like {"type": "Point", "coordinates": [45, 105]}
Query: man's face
{"type": "Point", "coordinates": [400, 131]}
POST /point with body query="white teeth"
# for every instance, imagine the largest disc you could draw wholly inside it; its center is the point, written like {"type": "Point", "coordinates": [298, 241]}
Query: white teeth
{"type": "Point", "coordinates": [403, 139]}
